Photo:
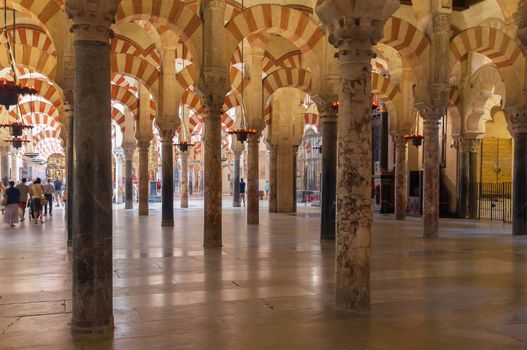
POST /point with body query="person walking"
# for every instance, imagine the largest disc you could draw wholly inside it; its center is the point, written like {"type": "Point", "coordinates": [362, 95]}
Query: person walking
{"type": "Point", "coordinates": [58, 192]}
{"type": "Point", "coordinates": [37, 193]}
{"type": "Point", "coordinates": [11, 202]}
{"type": "Point", "coordinates": [49, 190]}
{"type": "Point", "coordinates": [266, 188]}
{"type": "Point", "coordinates": [24, 192]}
{"type": "Point", "coordinates": [242, 191]}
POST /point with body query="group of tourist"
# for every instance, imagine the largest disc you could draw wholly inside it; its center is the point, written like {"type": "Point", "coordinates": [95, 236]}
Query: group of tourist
{"type": "Point", "coordinates": [36, 196]}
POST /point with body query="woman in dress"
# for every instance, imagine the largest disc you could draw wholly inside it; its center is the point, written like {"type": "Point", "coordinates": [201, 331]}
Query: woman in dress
{"type": "Point", "coordinates": [12, 201]}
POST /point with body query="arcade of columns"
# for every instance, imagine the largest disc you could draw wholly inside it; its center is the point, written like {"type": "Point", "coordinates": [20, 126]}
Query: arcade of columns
{"type": "Point", "coordinates": [150, 69]}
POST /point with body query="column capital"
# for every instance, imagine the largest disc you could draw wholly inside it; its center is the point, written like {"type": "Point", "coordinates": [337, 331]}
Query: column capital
{"type": "Point", "coordinates": [467, 144]}
{"type": "Point", "coordinates": [68, 110]}
{"type": "Point", "coordinates": [353, 21]}
{"type": "Point", "coordinates": [144, 145]}
{"type": "Point", "coordinates": [400, 141]}
{"type": "Point", "coordinates": [327, 109]}
{"type": "Point", "coordinates": [517, 119]}
{"type": "Point", "coordinates": [92, 18]}
{"type": "Point", "coordinates": [214, 4]}
{"type": "Point", "coordinates": [119, 154]}
{"type": "Point", "coordinates": [129, 153]}
{"type": "Point", "coordinates": [441, 21]}
{"type": "Point", "coordinates": [167, 135]}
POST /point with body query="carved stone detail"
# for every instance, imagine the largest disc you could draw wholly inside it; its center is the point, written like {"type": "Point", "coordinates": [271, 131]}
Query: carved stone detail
{"type": "Point", "coordinates": [92, 18]}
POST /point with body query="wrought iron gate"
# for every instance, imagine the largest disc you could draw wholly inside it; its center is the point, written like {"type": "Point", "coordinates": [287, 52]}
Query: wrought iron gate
{"type": "Point", "coordinates": [495, 201]}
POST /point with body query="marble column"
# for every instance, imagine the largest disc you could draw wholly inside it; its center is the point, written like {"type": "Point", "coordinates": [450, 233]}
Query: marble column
{"type": "Point", "coordinates": [431, 176]}
{"type": "Point", "coordinates": [68, 108]}
{"type": "Point", "coordinates": [119, 160]}
{"type": "Point", "coordinates": [143, 147]}
{"type": "Point", "coordinates": [212, 235]}
{"type": "Point", "coordinates": [473, 178]}
{"type": "Point", "coordinates": [328, 205]}
{"type": "Point", "coordinates": [128, 183]}
{"type": "Point", "coordinates": [236, 179]}
{"type": "Point", "coordinates": [295, 165]}
{"type": "Point", "coordinates": [354, 211]}
{"type": "Point", "coordinates": [273, 178]}
{"type": "Point", "coordinates": [92, 273]}
{"type": "Point", "coordinates": [184, 180]}
{"type": "Point", "coordinates": [401, 180]}
{"type": "Point", "coordinates": [519, 204]}
{"type": "Point", "coordinates": [167, 178]}
{"type": "Point", "coordinates": [4, 162]}
{"type": "Point", "coordinates": [463, 178]}
{"type": "Point", "coordinates": [253, 200]}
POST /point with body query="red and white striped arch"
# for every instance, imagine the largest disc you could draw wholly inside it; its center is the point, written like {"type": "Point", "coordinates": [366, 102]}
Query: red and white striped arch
{"type": "Point", "coordinates": [45, 134]}
{"type": "Point", "coordinates": [296, 26]}
{"type": "Point", "coordinates": [125, 45]}
{"type": "Point", "coordinates": [127, 98]}
{"type": "Point", "coordinates": [33, 58]}
{"type": "Point", "coordinates": [286, 77]}
{"type": "Point", "coordinates": [491, 42]}
{"type": "Point", "coordinates": [40, 107]}
{"type": "Point", "coordinates": [31, 35]}
{"type": "Point", "coordinates": [45, 89]}
{"type": "Point", "coordinates": [139, 68]}
{"type": "Point", "coordinates": [36, 119]}
{"type": "Point", "coordinates": [119, 118]}
{"type": "Point", "coordinates": [407, 39]}
{"type": "Point", "coordinates": [165, 14]}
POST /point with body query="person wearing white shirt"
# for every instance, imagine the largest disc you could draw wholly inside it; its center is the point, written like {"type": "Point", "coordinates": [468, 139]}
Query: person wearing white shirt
{"type": "Point", "coordinates": [49, 190]}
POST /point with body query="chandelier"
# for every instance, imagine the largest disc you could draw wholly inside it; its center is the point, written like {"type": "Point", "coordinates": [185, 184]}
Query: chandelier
{"type": "Point", "coordinates": [243, 132]}
{"type": "Point", "coordinates": [10, 91]}
{"type": "Point", "coordinates": [415, 137]}
{"type": "Point", "coordinates": [184, 145]}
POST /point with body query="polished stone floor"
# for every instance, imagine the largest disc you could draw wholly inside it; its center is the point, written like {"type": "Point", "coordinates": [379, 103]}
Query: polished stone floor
{"type": "Point", "coordinates": [271, 286]}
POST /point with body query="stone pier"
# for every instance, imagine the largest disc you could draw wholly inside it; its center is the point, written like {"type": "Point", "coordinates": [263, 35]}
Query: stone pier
{"type": "Point", "coordinates": [167, 178]}
{"type": "Point", "coordinates": [70, 188]}
{"type": "Point", "coordinates": [184, 180]}
{"type": "Point", "coordinates": [401, 177]}
{"type": "Point", "coordinates": [236, 179]}
{"type": "Point", "coordinates": [431, 176]}
{"type": "Point", "coordinates": [92, 273]}
{"type": "Point", "coordinates": [128, 182]}
{"type": "Point", "coordinates": [143, 148]}
{"type": "Point", "coordinates": [253, 198]}
{"type": "Point", "coordinates": [328, 202]}
{"type": "Point", "coordinates": [273, 178]}
{"type": "Point", "coordinates": [213, 178]}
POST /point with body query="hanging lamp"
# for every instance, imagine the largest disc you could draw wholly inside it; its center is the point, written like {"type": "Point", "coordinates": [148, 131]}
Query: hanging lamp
{"type": "Point", "coordinates": [184, 145]}
{"type": "Point", "coordinates": [242, 133]}
{"type": "Point", "coordinates": [416, 138]}
{"type": "Point", "coordinates": [10, 91]}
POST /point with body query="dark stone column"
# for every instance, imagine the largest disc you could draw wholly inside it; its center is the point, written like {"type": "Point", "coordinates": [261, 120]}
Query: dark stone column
{"type": "Point", "coordinates": [328, 200]}
{"type": "Point", "coordinates": [463, 178]}
{"type": "Point", "coordinates": [401, 180]}
{"type": "Point", "coordinates": [519, 204]}
{"type": "Point", "coordinates": [4, 162]}
{"type": "Point", "coordinates": [212, 235]}
{"type": "Point", "coordinates": [144, 146]}
{"type": "Point", "coordinates": [167, 183]}
{"type": "Point", "coordinates": [295, 152]}
{"type": "Point", "coordinates": [384, 142]}
{"type": "Point", "coordinates": [70, 123]}
{"type": "Point", "coordinates": [273, 179]}
{"type": "Point", "coordinates": [473, 178]}
{"type": "Point", "coordinates": [128, 185]}
{"type": "Point", "coordinates": [236, 180]}
{"type": "Point", "coordinates": [184, 180]}
{"type": "Point", "coordinates": [92, 210]}
{"type": "Point", "coordinates": [253, 200]}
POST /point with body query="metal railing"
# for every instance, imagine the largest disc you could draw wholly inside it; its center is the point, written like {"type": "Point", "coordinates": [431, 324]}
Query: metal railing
{"type": "Point", "coordinates": [495, 201]}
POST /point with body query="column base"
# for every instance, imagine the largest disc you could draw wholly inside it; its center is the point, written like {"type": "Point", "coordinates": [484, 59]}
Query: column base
{"type": "Point", "coordinates": [327, 238]}
{"type": "Point", "coordinates": [128, 206]}
{"type": "Point", "coordinates": [166, 223]}
{"type": "Point", "coordinates": [104, 331]}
